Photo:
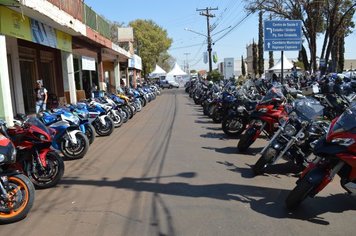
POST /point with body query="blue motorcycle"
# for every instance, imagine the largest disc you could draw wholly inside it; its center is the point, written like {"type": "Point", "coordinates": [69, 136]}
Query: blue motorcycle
{"type": "Point", "coordinates": [67, 137]}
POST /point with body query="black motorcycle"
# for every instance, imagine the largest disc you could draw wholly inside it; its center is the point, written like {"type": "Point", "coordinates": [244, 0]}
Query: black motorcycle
{"type": "Point", "coordinates": [295, 135]}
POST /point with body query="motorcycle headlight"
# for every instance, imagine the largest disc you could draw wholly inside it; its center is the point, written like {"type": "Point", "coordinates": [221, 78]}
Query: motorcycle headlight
{"type": "Point", "coordinates": [2, 158]}
{"type": "Point", "coordinates": [13, 155]}
{"type": "Point", "coordinates": [290, 130]}
{"type": "Point", "coordinates": [344, 141]}
{"type": "Point", "coordinates": [240, 109]}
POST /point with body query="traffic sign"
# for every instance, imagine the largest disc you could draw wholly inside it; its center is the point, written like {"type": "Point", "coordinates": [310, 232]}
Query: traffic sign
{"type": "Point", "coordinates": [283, 35]}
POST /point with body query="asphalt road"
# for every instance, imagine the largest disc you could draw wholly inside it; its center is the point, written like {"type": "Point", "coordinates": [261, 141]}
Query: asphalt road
{"type": "Point", "coordinates": [171, 171]}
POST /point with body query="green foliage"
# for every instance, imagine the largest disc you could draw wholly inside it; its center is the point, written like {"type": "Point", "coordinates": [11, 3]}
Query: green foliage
{"type": "Point", "coordinates": [243, 67]}
{"type": "Point", "coordinates": [254, 58]}
{"type": "Point", "coordinates": [151, 41]}
{"type": "Point", "coordinates": [270, 59]}
{"type": "Point", "coordinates": [214, 75]}
{"type": "Point", "coordinates": [261, 60]}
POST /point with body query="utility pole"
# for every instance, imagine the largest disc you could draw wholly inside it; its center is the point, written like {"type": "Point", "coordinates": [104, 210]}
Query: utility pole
{"type": "Point", "coordinates": [186, 64]}
{"type": "Point", "coordinates": [206, 12]}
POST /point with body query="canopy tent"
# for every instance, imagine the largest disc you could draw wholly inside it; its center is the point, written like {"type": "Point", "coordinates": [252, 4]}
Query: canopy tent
{"type": "Point", "coordinates": [158, 72]}
{"type": "Point", "coordinates": [176, 71]}
{"type": "Point", "coordinates": [287, 65]}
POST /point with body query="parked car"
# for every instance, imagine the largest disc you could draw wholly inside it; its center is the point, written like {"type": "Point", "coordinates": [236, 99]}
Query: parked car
{"type": "Point", "coordinates": [165, 84]}
{"type": "Point", "coordinates": [174, 84]}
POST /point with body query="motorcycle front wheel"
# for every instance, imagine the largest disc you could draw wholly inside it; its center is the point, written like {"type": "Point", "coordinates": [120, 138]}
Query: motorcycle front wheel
{"type": "Point", "coordinates": [90, 133]}
{"type": "Point", "coordinates": [21, 195]}
{"type": "Point", "coordinates": [299, 193]}
{"type": "Point", "coordinates": [247, 139]}
{"type": "Point", "coordinates": [75, 150]}
{"type": "Point", "coordinates": [264, 161]}
{"type": "Point", "coordinates": [50, 175]}
{"type": "Point", "coordinates": [234, 126]}
{"type": "Point", "coordinates": [104, 130]}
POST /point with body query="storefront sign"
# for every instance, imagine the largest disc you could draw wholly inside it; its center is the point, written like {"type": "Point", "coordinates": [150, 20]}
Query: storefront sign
{"type": "Point", "coordinates": [135, 62]}
{"type": "Point", "coordinates": [64, 41]}
{"type": "Point", "coordinates": [14, 24]}
{"type": "Point", "coordinates": [88, 63]}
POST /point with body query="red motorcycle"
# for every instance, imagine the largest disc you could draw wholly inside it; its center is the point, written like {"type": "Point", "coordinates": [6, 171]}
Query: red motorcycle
{"type": "Point", "coordinates": [335, 154]}
{"type": "Point", "coordinates": [265, 118]}
{"type": "Point", "coordinates": [35, 158]}
{"type": "Point", "coordinates": [17, 193]}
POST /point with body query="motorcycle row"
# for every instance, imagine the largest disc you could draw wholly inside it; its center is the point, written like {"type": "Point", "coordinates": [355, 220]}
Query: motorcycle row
{"type": "Point", "coordinates": [317, 133]}
{"type": "Point", "coordinates": [32, 151]}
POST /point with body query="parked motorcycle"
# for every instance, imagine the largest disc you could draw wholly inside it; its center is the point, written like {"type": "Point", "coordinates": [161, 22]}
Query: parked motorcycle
{"type": "Point", "coordinates": [292, 141]}
{"type": "Point", "coordinates": [17, 192]}
{"type": "Point", "coordinates": [35, 157]}
{"type": "Point", "coordinates": [68, 138]}
{"type": "Point", "coordinates": [335, 154]}
{"type": "Point", "coordinates": [265, 118]}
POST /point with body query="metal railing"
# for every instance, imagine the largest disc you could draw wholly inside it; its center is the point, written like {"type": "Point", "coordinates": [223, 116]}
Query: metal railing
{"type": "Point", "coordinates": [82, 12]}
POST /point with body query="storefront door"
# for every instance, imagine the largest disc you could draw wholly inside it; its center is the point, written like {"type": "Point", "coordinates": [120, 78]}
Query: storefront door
{"type": "Point", "coordinates": [28, 82]}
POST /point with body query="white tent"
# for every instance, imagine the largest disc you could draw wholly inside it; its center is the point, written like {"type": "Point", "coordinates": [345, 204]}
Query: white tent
{"type": "Point", "coordinates": [158, 71]}
{"type": "Point", "coordinates": [176, 71]}
{"type": "Point", "coordinates": [287, 65]}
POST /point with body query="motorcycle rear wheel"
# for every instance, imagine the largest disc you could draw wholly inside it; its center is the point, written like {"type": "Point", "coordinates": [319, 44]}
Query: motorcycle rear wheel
{"type": "Point", "coordinates": [22, 195]}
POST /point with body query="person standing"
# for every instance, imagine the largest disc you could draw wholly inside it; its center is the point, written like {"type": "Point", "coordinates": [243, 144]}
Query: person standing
{"type": "Point", "coordinates": [41, 96]}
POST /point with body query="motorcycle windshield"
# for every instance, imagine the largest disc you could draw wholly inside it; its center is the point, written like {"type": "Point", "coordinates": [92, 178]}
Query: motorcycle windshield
{"type": "Point", "coordinates": [308, 109]}
{"type": "Point", "coordinates": [346, 122]}
{"type": "Point", "coordinates": [36, 122]}
{"type": "Point", "coordinates": [273, 93]}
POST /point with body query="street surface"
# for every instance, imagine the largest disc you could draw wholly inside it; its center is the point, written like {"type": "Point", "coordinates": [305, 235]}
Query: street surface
{"type": "Point", "coordinates": [171, 171]}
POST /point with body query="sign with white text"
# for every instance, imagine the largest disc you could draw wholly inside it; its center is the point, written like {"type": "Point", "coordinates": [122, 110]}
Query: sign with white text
{"type": "Point", "coordinates": [282, 35]}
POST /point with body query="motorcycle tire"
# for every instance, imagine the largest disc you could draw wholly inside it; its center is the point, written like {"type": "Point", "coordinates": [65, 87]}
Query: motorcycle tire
{"type": "Point", "coordinates": [247, 139]}
{"type": "Point", "coordinates": [299, 193]}
{"type": "Point", "coordinates": [124, 115]}
{"type": "Point", "coordinates": [138, 107]}
{"type": "Point", "coordinates": [238, 128]}
{"type": "Point", "coordinates": [264, 160]}
{"type": "Point", "coordinates": [105, 130]}
{"type": "Point", "coordinates": [22, 193]}
{"type": "Point", "coordinates": [90, 133]}
{"type": "Point", "coordinates": [52, 174]}
{"type": "Point", "coordinates": [75, 151]}
{"type": "Point", "coordinates": [117, 119]}
{"type": "Point", "coordinates": [129, 111]}
{"type": "Point", "coordinates": [133, 109]}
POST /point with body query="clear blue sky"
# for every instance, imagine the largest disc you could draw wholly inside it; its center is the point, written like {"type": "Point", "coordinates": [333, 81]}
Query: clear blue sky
{"type": "Point", "coordinates": [175, 16]}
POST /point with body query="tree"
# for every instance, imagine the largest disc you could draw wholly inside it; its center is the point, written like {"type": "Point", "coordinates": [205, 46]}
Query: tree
{"type": "Point", "coordinates": [254, 58]}
{"type": "Point", "coordinates": [151, 40]}
{"type": "Point", "coordinates": [243, 67]}
{"type": "Point", "coordinates": [261, 60]}
{"type": "Point", "coordinates": [214, 75]}
{"type": "Point", "coordinates": [270, 59]}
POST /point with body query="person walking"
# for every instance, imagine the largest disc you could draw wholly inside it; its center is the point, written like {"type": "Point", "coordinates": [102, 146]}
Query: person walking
{"type": "Point", "coordinates": [41, 96]}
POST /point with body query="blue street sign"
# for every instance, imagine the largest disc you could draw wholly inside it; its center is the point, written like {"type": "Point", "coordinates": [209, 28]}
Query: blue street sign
{"type": "Point", "coordinates": [283, 35]}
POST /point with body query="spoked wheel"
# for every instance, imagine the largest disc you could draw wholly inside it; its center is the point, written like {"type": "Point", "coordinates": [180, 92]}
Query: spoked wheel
{"type": "Point", "coordinates": [50, 175]}
{"type": "Point", "coordinates": [233, 126]}
{"type": "Point", "coordinates": [75, 150]}
{"type": "Point", "coordinates": [19, 200]}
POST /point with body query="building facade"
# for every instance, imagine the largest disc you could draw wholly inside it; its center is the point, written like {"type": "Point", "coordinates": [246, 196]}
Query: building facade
{"type": "Point", "coordinates": [64, 43]}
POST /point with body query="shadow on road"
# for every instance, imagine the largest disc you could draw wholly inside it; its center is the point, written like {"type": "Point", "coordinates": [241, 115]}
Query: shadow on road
{"type": "Point", "coordinates": [213, 135]}
{"type": "Point", "coordinates": [264, 200]}
{"type": "Point", "coordinates": [225, 150]}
